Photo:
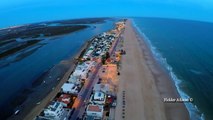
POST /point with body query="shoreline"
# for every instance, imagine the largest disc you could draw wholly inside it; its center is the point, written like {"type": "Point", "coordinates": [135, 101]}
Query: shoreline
{"type": "Point", "coordinates": [149, 82]}
{"type": "Point", "coordinates": [143, 80]}
{"type": "Point", "coordinates": [170, 90]}
{"type": "Point", "coordinates": [173, 95]}
{"type": "Point", "coordinates": [71, 66]}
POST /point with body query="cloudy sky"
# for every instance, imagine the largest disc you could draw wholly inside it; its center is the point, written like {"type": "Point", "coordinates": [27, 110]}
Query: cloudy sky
{"type": "Point", "coordinates": [16, 12]}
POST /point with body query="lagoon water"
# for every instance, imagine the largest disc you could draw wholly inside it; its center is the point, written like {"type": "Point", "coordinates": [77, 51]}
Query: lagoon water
{"type": "Point", "coordinates": [185, 49]}
{"type": "Point", "coordinates": [20, 73]}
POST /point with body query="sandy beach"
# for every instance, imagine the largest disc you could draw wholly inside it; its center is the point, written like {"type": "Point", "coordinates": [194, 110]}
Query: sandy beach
{"type": "Point", "coordinates": [143, 84]}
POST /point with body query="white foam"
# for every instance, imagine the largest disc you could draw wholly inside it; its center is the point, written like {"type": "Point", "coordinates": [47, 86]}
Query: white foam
{"type": "Point", "coordinates": [194, 112]}
{"type": "Point", "coordinates": [195, 71]}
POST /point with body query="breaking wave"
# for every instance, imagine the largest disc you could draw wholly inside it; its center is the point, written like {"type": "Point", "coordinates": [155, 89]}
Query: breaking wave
{"type": "Point", "coordinates": [194, 112]}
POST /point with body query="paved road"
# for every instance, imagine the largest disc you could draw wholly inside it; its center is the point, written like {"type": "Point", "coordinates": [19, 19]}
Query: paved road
{"type": "Point", "coordinates": [87, 89]}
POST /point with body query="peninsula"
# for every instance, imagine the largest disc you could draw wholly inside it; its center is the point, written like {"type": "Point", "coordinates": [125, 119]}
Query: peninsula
{"type": "Point", "coordinates": [115, 77]}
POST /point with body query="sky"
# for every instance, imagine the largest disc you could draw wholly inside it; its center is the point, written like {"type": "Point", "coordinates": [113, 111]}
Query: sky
{"type": "Point", "coordinates": [18, 12]}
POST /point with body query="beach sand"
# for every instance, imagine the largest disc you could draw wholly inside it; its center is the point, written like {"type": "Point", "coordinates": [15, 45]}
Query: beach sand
{"type": "Point", "coordinates": [143, 84]}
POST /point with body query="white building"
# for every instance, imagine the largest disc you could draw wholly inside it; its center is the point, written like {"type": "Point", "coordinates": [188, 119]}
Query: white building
{"type": "Point", "coordinates": [69, 88]}
{"type": "Point", "coordinates": [83, 69]}
{"type": "Point", "coordinates": [54, 111]}
{"type": "Point", "coordinates": [98, 98]}
{"type": "Point", "coordinates": [95, 111]}
{"type": "Point", "coordinates": [88, 53]}
{"type": "Point", "coordinates": [74, 79]}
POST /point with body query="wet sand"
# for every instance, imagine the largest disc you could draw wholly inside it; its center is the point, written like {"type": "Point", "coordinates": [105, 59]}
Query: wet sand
{"type": "Point", "coordinates": [143, 84]}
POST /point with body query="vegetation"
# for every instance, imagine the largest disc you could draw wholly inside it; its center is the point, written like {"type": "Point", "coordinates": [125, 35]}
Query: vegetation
{"type": "Point", "coordinates": [18, 48]}
{"type": "Point", "coordinates": [105, 57]}
{"type": "Point", "coordinates": [35, 31]}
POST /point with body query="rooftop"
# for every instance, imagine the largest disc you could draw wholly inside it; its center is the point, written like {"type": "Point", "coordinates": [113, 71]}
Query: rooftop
{"type": "Point", "coordinates": [65, 98]}
{"type": "Point", "coordinates": [53, 106]}
{"type": "Point", "coordinates": [67, 86]}
{"type": "Point", "coordinates": [99, 96]}
{"type": "Point", "coordinates": [95, 108]}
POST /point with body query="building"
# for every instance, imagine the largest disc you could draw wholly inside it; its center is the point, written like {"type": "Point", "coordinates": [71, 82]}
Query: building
{"type": "Point", "coordinates": [98, 98]}
{"type": "Point", "coordinates": [81, 72]}
{"type": "Point", "coordinates": [65, 99]}
{"type": "Point", "coordinates": [54, 111]}
{"type": "Point", "coordinates": [69, 88]}
{"type": "Point", "coordinates": [120, 25]}
{"type": "Point", "coordinates": [83, 69]}
{"type": "Point", "coordinates": [89, 52]}
{"type": "Point", "coordinates": [95, 111]}
{"type": "Point", "coordinates": [74, 79]}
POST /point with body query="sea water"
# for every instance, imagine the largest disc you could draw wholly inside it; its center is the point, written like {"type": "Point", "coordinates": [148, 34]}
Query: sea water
{"type": "Point", "coordinates": [185, 49]}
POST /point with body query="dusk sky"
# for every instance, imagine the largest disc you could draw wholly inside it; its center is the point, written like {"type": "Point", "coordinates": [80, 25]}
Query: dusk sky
{"type": "Point", "coordinates": [17, 12]}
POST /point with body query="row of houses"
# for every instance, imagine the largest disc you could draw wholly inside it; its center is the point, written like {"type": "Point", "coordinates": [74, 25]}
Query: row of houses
{"type": "Point", "coordinates": [102, 98]}
{"type": "Point", "coordinates": [61, 106]}
{"type": "Point", "coordinates": [78, 77]}
{"type": "Point", "coordinates": [95, 109]}
{"type": "Point", "coordinates": [99, 46]}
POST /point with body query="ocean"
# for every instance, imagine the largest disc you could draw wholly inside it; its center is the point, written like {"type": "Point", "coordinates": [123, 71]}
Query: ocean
{"type": "Point", "coordinates": [20, 74]}
{"type": "Point", "coordinates": [185, 49]}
